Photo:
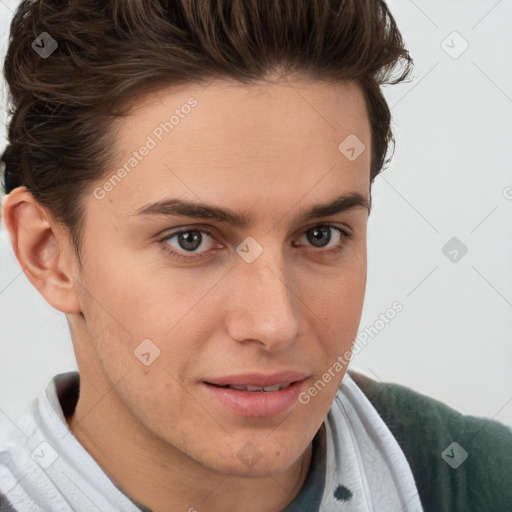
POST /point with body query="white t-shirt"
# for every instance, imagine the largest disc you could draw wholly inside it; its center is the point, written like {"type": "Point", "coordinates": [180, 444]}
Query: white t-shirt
{"type": "Point", "coordinates": [357, 465]}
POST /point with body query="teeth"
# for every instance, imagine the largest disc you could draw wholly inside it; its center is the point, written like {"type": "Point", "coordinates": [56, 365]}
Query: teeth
{"type": "Point", "coordinates": [277, 387]}
{"type": "Point", "coordinates": [253, 388]}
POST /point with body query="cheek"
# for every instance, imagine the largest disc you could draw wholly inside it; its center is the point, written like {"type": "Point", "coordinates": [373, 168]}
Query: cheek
{"type": "Point", "coordinates": [126, 305]}
{"type": "Point", "coordinates": [341, 294]}
{"type": "Point", "coordinates": [338, 306]}
{"type": "Point", "coordinates": [341, 305]}
{"type": "Point", "coordinates": [127, 294]}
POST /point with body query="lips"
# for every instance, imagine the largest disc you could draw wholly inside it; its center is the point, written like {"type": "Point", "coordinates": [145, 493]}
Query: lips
{"type": "Point", "coordinates": [258, 380]}
{"type": "Point", "coordinates": [255, 394]}
{"type": "Point", "coordinates": [266, 389]}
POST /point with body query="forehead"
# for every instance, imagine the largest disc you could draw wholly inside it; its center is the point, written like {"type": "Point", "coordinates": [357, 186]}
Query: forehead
{"type": "Point", "coordinates": [262, 111]}
{"type": "Point", "coordinates": [209, 141]}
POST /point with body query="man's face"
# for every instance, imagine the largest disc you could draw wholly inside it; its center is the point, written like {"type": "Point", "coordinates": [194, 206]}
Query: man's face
{"type": "Point", "coordinates": [275, 301]}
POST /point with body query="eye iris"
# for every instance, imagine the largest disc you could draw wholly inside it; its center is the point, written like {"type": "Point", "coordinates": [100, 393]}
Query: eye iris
{"type": "Point", "coordinates": [190, 240]}
{"type": "Point", "coordinates": [317, 234]}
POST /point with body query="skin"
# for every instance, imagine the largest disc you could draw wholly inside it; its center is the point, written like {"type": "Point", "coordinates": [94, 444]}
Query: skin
{"type": "Point", "coordinates": [268, 151]}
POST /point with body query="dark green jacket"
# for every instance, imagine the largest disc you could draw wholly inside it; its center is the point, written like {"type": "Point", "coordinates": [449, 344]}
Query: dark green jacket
{"type": "Point", "coordinates": [425, 428]}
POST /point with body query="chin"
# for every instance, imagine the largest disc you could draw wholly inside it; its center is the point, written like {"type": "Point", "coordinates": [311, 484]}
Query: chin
{"type": "Point", "coordinates": [254, 459]}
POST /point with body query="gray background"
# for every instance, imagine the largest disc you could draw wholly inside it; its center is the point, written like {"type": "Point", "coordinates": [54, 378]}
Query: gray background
{"type": "Point", "coordinates": [450, 177]}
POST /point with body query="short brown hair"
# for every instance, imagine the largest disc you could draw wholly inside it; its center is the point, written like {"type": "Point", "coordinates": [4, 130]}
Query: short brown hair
{"type": "Point", "coordinates": [112, 51]}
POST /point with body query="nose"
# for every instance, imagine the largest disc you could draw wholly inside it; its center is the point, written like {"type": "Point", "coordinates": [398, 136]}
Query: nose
{"type": "Point", "coordinates": [262, 307]}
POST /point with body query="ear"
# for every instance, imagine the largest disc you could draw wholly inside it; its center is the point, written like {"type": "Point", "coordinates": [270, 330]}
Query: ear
{"type": "Point", "coordinates": [43, 249]}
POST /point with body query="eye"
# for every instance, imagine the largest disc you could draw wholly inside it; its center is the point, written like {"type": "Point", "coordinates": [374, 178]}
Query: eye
{"type": "Point", "coordinates": [320, 237]}
{"type": "Point", "coordinates": [188, 241]}
{"type": "Point", "coordinates": [185, 243]}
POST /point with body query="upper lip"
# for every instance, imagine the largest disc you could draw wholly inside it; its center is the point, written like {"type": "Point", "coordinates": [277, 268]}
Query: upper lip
{"type": "Point", "coordinates": [257, 379]}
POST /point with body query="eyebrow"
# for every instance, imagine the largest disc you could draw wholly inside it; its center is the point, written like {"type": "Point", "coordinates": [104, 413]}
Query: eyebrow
{"type": "Point", "coordinates": [183, 208]}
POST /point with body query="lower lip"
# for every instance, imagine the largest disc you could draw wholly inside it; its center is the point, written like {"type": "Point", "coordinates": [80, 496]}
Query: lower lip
{"type": "Point", "coordinates": [256, 403]}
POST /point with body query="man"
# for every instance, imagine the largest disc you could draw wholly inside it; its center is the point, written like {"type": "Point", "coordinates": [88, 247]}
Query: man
{"type": "Point", "coordinates": [190, 183]}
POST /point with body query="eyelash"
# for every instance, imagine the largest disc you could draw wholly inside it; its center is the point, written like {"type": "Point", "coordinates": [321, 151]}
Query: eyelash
{"type": "Point", "coordinates": [345, 235]}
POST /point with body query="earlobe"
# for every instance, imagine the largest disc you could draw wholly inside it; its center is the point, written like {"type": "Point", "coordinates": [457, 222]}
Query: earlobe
{"type": "Point", "coordinates": [43, 250]}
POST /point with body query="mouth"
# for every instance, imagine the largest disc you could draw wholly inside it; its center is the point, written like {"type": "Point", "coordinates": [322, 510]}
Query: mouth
{"type": "Point", "coordinates": [265, 389]}
{"type": "Point", "coordinates": [257, 381]}
{"type": "Point", "coordinates": [255, 394]}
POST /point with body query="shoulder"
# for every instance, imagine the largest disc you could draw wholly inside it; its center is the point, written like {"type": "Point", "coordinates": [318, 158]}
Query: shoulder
{"type": "Point", "coordinates": [459, 462]}
{"type": "Point", "coordinates": [25, 459]}
{"type": "Point", "coordinates": [16, 469]}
